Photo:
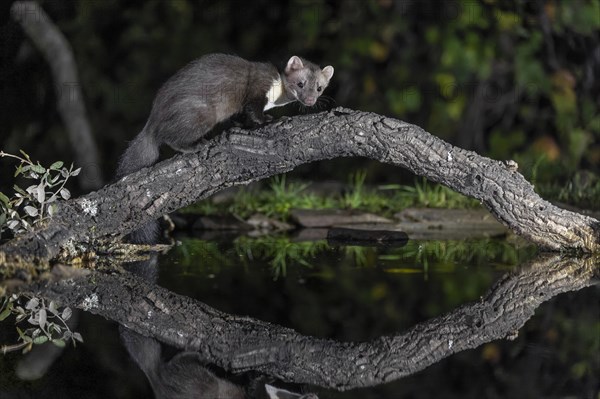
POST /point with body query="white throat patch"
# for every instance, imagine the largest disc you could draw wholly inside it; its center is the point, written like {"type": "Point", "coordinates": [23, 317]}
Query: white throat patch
{"type": "Point", "coordinates": [274, 93]}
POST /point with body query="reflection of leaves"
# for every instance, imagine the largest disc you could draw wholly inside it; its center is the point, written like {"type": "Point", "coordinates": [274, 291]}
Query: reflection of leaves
{"type": "Point", "coordinates": [444, 255]}
{"type": "Point", "coordinates": [418, 256]}
{"type": "Point", "coordinates": [360, 256]}
{"type": "Point", "coordinates": [387, 284]}
{"type": "Point", "coordinates": [46, 322]}
{"type": "Point", "coordinates": [278, 251]}
{"type": "Point", "coordinates": [190, 250]}
{"type": "Point", "coordinates": [431, 258]}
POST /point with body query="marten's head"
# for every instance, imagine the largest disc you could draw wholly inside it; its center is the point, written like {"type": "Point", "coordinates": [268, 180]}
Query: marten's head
{"type": "Point", "coordinates": [306, 81]}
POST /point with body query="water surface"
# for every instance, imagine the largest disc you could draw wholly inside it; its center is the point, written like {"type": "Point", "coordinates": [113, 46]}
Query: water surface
{"type": "Point", "coordinates": [350, 293]}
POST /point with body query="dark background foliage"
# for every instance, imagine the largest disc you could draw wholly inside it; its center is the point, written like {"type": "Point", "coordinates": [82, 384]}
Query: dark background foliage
{"type": "Point", "coordinates": [510, 79]}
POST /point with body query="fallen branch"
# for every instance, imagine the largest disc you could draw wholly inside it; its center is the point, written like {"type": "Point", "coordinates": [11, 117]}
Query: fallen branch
{"type": "Point", "coordinates": [242, 343]}
{"type": "Point", "coordinates": [241, 156]}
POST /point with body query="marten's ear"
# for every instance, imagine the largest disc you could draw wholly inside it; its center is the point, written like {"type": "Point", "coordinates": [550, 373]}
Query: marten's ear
{"type": "Point", "coordinates": [328, 72]}
{"type": "Point", "coordinates": [294, 64]}
{"type": "Point", "coordinates": [276, 393]}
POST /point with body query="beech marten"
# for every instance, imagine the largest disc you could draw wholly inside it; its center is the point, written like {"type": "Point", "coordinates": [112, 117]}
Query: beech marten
{"type": "Point", "coordinates": [210, 90]}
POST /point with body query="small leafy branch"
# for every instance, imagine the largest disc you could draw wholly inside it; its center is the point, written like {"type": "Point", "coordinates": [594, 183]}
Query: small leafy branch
{"type": "Point", "coordinates": [30, 207]}
{"type": "Point", "coordinates": [49, 323]}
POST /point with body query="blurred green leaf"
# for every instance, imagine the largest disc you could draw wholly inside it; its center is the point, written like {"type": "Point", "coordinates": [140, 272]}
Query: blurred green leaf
{"type": "Point", "coordinates": [57, 165]}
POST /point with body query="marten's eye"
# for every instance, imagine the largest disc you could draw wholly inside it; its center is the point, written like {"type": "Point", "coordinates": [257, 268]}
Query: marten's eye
{"type": "Point", "coordinates": [319, 88]}
{"type": "Point", "coordinates": [300, 84]}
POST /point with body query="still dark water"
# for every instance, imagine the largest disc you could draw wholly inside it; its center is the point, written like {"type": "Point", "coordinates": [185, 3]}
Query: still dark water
{"type": "Point", "coordinates": [348, 293]}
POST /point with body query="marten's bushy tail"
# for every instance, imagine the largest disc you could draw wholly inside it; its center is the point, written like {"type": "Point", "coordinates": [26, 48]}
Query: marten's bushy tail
{"type": "Point", "coordinates": [142, 152]}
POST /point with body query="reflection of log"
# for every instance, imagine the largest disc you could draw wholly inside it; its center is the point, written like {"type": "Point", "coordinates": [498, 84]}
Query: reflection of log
{"type": "Point", "coordinates": [240, 156]}
{"type": "Point", "coordinates": [241, 343]}
{"type": "Point", "coordinates": [59, 55]}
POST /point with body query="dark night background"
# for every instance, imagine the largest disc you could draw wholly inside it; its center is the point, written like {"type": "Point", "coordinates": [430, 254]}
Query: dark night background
{"type": "Point", "coordinates": [509, 79]}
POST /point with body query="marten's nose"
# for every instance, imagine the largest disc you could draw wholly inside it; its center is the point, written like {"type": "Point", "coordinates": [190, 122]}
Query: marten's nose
{"type": "Point", "coordinates": [310, 101]}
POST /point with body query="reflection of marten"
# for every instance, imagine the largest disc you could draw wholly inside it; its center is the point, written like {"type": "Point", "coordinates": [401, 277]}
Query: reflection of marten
{"type": "Point", "coordinates": [186, 377]}
{"type": "Point", "coordinates": [212, 89]}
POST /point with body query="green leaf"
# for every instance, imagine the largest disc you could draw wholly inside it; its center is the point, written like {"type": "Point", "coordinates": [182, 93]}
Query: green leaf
{"type": "Point", "coordinates": [32, 303]}
{"type": "Point", "coordinates": [24, 154]}
{"type": "Point", "coordinates": [40, 193]}
{"type": "Point", "coordinates": [21, 333]}
{"type": "Point", "coordinates": [55, 179]}
{"type": "Point", "coordinates": [5, 313]}
{"type": "Point", "coordinates": [19, 170]}
{"type": "Point", "coordinates": [12, 224]}
{"type": "Point", "coordinates": [78, 337]}
{"type": "Point", "coordinates": [31, 211]}
{"type": "Point", "coordinates": [20, 191]}
{"type": "Point", "coordinates": [51, 210]}
{"type": "Point", "coordinates": [57, 165]}
{"type": "Point", "coordinates": [59, 342]}
{"type": "Point", "coordinates": [412, 98]}
{"type": "Point", "coordinates": [66, 194]}
{"type": "Point", "coordinates": [43, 318]}
{"type": "Point", "coordinates": [40, 340]}
{"type": "Point", "coordinates": [38, 168]}
{"type": "Point", "coordinates": [66, 314]}
{"type": "Point", "coordinates": [4, 199]}
{"type": "Point", "coordinates": [27, 348]}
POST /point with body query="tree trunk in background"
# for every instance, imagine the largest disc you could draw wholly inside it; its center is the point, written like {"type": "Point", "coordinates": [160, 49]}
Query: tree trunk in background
{"type": "Point", "coordinates": [59, 55]}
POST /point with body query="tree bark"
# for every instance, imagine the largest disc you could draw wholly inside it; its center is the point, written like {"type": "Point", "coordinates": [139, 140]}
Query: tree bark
{"type": "Point", "coordinates": [242, 343]}
{"type": "Point", "coordinates": [242, 156]}
{"type": "Point", "coordinates": [58, 53]}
